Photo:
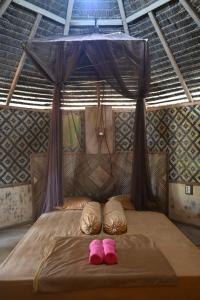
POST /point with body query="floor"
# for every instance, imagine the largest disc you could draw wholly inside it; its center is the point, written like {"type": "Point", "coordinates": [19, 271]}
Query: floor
{"type": "Point", "coordinates": [193, 233]}
{"type": "Point", "coordinates": [11, 236]}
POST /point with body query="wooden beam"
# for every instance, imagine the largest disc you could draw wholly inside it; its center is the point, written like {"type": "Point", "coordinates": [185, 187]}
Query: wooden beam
{"type": "Point", "coordinates": [191, 11]}
{"type": "Point", "coordinates": [55, 18]}
{"type": "Point", "coordinates": [40, 10]}
{"type": "Point", "coordinates": [123, 16]}
{"type": "Point", "coordinates": [145, 10]}
{"type": "Point", "coordinates": [186, 103]}
{"type": "Point", "coordinates": [68, 16]}
{"type": "Point", "coordinates": [4, 7]}
{"type": "Point", "coordinates": [22, 60]}
{"type": "Point", "coordinates": [169, 54]}
{"type": "Point", "coordinates": [109, 22]}
{"type": "Point", "coordinates": [100, 22]}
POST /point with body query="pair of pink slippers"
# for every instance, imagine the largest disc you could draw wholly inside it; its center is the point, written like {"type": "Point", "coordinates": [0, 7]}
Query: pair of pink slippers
{"type": "Point", "coordinates": [102, 251]}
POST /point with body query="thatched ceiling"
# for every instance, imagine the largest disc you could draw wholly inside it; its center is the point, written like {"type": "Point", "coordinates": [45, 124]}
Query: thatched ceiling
{"type": "Point", "coordinates": [178, 26]}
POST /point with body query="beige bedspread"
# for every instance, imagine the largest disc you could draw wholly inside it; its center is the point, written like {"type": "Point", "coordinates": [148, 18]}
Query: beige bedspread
{"type": "Point", "coordinates": [18, 270]}
{"type": "Point", "coordinates": [65, 266]}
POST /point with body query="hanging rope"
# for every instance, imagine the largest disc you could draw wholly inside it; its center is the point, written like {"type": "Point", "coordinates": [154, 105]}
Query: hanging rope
{"type": "Point", "coordinates": [101, 124]}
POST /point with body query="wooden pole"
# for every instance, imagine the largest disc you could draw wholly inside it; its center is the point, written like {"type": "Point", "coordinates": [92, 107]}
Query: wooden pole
{"type": "Point", "coordinates": [68, 16]}
{"type": "Point", "coordinates": [4, 7]}
{"type": "Point", "coordinates": [123, 16]}
{"type": "Point", "coordinates": [191, 11]}
{"type": "Point", "coordinates": [169, 54]}
{"type": "Point", "coordinates": [22, 60]}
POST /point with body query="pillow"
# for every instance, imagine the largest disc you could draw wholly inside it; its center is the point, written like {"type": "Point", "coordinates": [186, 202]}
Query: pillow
{"type": "Point", "coordinates": [74, 203]}
{"type": "Point", "coordinates": [114, 218]}
{"type": "Point", "coordinates": [125, 201]}
{"type": "Point", "coordinates": [91, 218]}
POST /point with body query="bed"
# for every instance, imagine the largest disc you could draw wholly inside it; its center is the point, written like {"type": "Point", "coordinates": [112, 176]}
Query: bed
{"type": "Point", "coordinates": [17, 271]}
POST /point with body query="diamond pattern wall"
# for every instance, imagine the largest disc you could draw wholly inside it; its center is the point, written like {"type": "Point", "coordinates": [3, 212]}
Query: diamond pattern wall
{"type": "Point", "coordinates": [175, 130]}
{"type": "Point", "coordinates": [23, 133]}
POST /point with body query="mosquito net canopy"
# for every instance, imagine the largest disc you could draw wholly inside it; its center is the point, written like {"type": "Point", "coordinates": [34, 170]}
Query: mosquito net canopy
{"type": "Point", "coordinates": [119, 59]}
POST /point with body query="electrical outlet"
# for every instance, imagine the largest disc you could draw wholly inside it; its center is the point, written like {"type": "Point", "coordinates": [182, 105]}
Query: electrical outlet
{"type": "Point", "coordinates": [188, 189]}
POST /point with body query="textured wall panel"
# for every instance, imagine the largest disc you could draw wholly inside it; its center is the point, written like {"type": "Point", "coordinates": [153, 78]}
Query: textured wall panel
{"type": "Point", "coordinates": [175, 131]}
{"type": "Point", "coordinates": [23, 133]}
{"type": "Point", "coordinates": [74, 131]}
{"type": "Point", "coordinates": [15, 205]}
{"type": "Point", "coordinates": [184, 208]}
{"type": "Point", "coordinates": [93, 175]}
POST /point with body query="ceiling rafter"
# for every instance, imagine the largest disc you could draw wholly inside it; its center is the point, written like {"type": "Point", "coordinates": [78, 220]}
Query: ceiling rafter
{"type": "Point", "coordinates": [40, 10]}
{"type": "Point", "coordinates": [169, 54]}
{"type": "Point", "coordinates": [123, 16]}
{"type": "Point", "coordinates": [68, 22]}
{"type": "Point", "coordinates": [22, 60]}
{"type": "Point", "coordinates": [191, 11]}
{"type": "Point", "coordinates": [68, 16]}
{"type": "Point", "coordinates": [60, 20]}
{"type": "Point", "coordinates": [99, 22]}
{"type": "Point", "coordinates": [4, 7]}
{"type": "Point", "coordinates": [147, 9]}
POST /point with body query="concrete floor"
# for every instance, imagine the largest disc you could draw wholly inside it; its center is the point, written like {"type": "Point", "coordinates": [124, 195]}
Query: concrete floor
{"type": "Point", "coordinates": [11, 236]}
{"type": "Point", "coordinates": [193, 233]}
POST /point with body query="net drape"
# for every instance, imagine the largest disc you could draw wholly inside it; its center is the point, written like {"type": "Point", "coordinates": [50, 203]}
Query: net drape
{"type": "Point", "coordinates": [141, 192]}
{"type": "Point", "coordinates": [123, 62]}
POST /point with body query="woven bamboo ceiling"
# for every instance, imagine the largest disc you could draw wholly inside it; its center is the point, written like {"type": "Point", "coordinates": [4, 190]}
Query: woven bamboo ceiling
{"type": "Point", "coordinates": [171, 26]}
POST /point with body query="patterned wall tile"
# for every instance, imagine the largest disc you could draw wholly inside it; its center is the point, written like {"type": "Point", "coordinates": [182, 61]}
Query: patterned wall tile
{"type": "Point", "coordinates": [175, 130]}
{"type": "Point", "coordinates": [23, 133]}
{"type": "Point", "coordinates": [124, 131]}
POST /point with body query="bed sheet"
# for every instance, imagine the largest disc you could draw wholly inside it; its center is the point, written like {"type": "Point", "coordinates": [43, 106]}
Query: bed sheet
{"type": "Point", "coordinates": [17, 271]}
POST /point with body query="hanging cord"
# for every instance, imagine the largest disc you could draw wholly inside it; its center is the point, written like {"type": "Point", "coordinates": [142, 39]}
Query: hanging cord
{"type": "Point", "coordinates": [97, 127]}
{"type": "Point", "coordinates": [107, 145]}
{"type": "Point", "coordinates": [76, 130]}
{"type": "Point", "coordinates": [79, 141]}
{"type": "Point", "coordinates": [101, 129]}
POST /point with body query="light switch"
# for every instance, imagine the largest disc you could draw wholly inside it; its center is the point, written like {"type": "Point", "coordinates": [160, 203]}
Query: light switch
{"type": "Point", "coordinates": [189, 189]}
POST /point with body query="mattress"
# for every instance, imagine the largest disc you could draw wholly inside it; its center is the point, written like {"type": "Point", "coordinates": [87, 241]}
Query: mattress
{"type": "Point", "coordinates": [18, 270]}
